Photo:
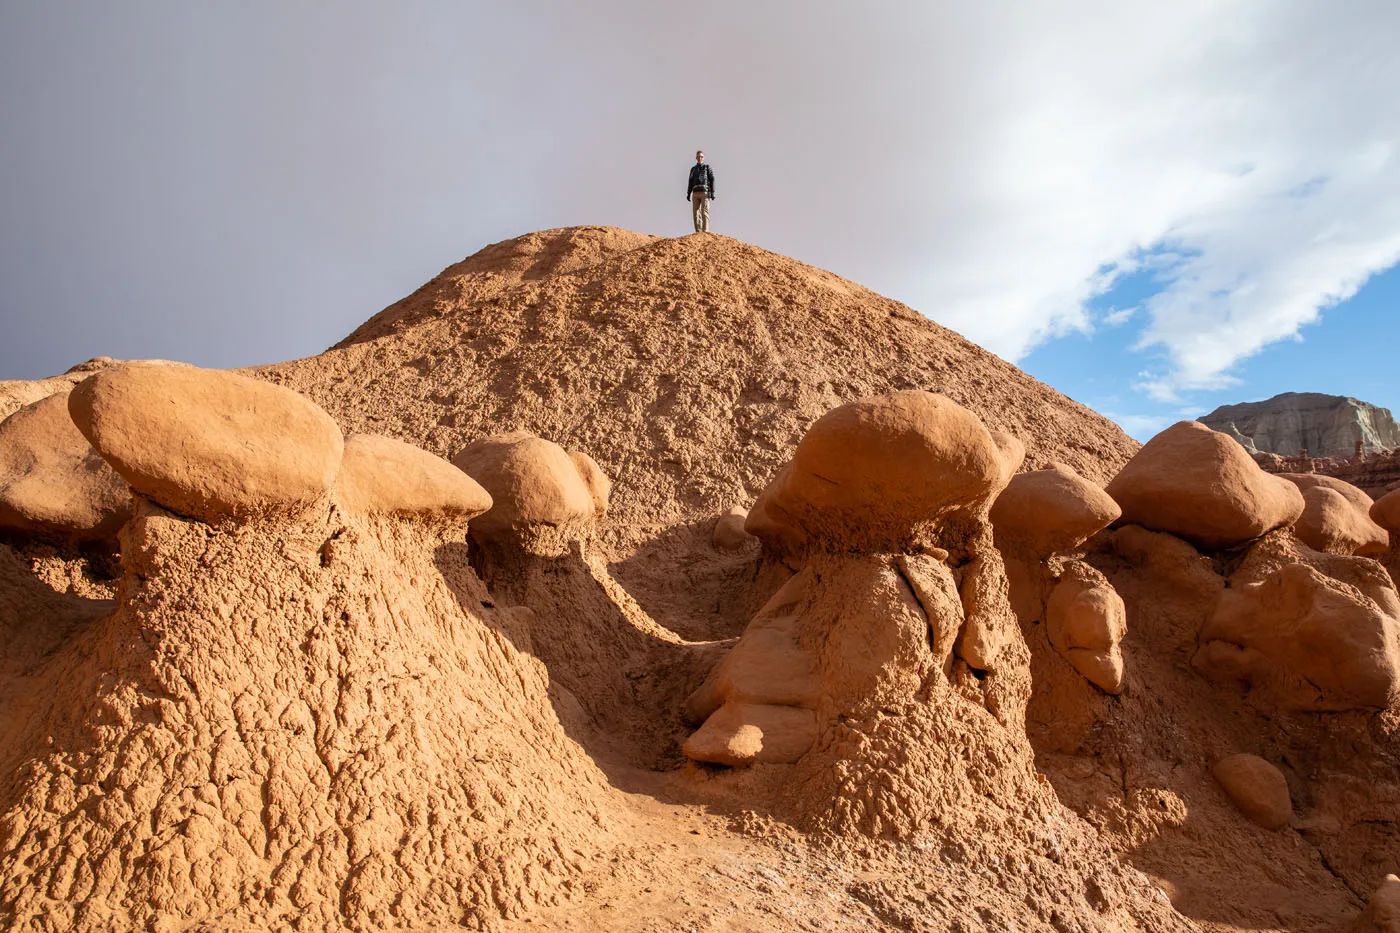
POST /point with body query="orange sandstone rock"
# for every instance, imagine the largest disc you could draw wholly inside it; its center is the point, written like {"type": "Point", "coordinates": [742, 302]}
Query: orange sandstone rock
{"type": "Point", "coordinates": [1333, 523]}
{"type": "Point", "coordinates": [209, 444]}
{"type": "Point", "coordinates": [879, 473]}
{"type": "Point", "coordinates": [1053, 509]}
{"type": "Point", "coordinates": [1257, 788]}
{"type": "Point", "coordinates": [1386, 511]}
{"type": "Point", "coordinates": [52, 483]}
{"type": "Point", "coordinates": [531, 481]}
{"type": "Point", "coordinates": [1382, 913]}
{"type": "Point", "coordinates": [382, 475]}
{"type": "Point", "coordinates": [1201, 485]}
{"type": "Point", "coordinates": [1086, 622]}
{"type": "Point", "coordinates": [599, 486]}
{"type": "Point", "coordinates": [729, 534]}
{"type": "Point", "coordinates": [1304, 640]}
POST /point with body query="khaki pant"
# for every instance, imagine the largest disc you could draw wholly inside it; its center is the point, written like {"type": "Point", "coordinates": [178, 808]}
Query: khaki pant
{"type": "Point", "coordinates": [700, 209]}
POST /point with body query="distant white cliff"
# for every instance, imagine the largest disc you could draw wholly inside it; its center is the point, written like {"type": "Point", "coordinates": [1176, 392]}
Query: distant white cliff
{"type": "Point", "coordinates": [1323, 425]}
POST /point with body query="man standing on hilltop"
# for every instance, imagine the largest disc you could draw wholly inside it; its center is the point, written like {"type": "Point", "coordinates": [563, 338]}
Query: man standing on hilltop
{"type": "Point", "coordinates": [700, 192]}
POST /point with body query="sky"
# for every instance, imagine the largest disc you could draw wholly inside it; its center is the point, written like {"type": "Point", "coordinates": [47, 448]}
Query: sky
{"type": "Point", "coordinates": [1155, 208]}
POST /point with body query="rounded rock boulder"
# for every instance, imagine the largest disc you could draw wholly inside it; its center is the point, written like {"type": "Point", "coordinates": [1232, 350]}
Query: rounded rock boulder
{"type": "Point", "coordinates": [874, 474]}
{"type": "Point", "coordinates": [1257, 788]}
{"type": "Point", "coordinates": [1202, 486]}
{"type": "Point", "coordinates": [53, 484]}
{"type": "Point", "coordinates": [209, 444]}
{"type": "Point", "coordinates": [1052, 509]}
{"type": "Point", "coordinates": [385, 476]}
{"type": "Point", "coordinates": [531, 481]}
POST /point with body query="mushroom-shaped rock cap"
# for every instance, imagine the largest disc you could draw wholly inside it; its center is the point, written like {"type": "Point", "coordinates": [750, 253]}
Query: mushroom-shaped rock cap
{"type": "Point", "coordinates": [1386, 511]}
{"type": "Point", "coordinates": [531, 481]}
{"type": "Point", "coordinates": [871, 474]}
{"type": "Point", "coordinates": [1333, 523]}
{"type": "Point", "coordinates": [52, 483]}
{"type": "Point", "coordinates": [385, 476]}
{"type": "Point", "coordinates": [206, 443]}
{"type": "Point", "coordinates": [1051, 510]}
{"type": "Point", "coordinates": [1200, 485]}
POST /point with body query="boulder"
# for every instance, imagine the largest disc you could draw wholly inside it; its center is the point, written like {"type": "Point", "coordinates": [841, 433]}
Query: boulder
{"type": "Point", "coordinates": [1085, 622]}
{"type": "Point", "coordinates": [209, 444]}
{"type": "Point", "coordinates": [1200, 485]}
{"type": "Point", "coordinates": [599, 486]}
{"type": "Point", "coordinates": [53, 485]}
{"type": "Point", "coordinates": [1303, 640]}
{"type": "Point", "coordinates": [1333, 523]}
{"type": "Point", "coordinates": [1052, 509]}
{"type": "Point", "coordinates": [532, 483]}
{"type": "Point", "coordinates": [880, 473]}
{"type": "Point", "coordinates": [741, 734]}
{"type": "Point", "coordinates": [1257, 788]}
{"type": "Point", "coordinates": [385, 476]}
{"type": "Point", "coordinates": [1386, 511]}
{"type": "Point", "coordinates": [1013, 453]}
{"type": "Point", "coordinates": [1382, 913]}
{"type": "Point", "coordinates": [729, 534]}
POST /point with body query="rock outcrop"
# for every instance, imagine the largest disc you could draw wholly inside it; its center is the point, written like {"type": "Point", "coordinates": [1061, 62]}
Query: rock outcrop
{"type": "Point", "coordinates": [1323, 425]}
{"type": "Point", "coordinates": [1198, 484]}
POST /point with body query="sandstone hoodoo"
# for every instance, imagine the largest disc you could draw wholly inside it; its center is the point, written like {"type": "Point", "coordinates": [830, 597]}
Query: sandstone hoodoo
{"type": "Point", "coordinates": [535, 485]}
{"type": "Point", "coordinates": [983, 663]}
{"type": "Point", "coordinates": [1198, 484]}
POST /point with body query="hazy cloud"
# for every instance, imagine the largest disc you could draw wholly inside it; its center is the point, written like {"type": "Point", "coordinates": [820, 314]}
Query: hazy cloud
{"type": "Point", "coordinates": [240, 184]}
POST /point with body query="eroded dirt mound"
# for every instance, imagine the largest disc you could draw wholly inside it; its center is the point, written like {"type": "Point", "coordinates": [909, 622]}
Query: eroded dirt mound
{"type": "Point", "coordinates": [688, 367]}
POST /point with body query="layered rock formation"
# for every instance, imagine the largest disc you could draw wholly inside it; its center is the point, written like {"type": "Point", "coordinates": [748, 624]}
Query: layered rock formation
{"type": "Point", "coordinates": [1322, 425]}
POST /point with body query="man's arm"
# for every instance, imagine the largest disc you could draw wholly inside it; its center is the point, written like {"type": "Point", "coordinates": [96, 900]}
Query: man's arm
{"type": "Point", "coordinates": [712, 182]}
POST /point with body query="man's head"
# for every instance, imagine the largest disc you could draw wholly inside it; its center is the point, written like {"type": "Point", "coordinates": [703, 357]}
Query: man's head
{"type": "Point", "coordinates": [699, 156]}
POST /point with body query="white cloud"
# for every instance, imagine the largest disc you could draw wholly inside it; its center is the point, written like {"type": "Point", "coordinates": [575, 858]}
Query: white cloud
{"type": "Point", "coordinates": [996, 165]}
{"type": "Point", "coordinates": [1250, 148]}
{"type": "Point", "coordinates": [1117, 317]}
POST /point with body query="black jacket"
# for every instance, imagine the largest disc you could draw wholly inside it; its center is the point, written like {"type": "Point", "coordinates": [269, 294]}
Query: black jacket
{"type": "Point", "coordinates": [702, 177]}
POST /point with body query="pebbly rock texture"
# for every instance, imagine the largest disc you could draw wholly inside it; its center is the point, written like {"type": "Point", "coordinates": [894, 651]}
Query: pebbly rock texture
{"type": "Point", "coordinates": [1197, 484]}
{"type": "Point", "coordinates": [535, 487]}
{"type": "Point", "coordinates": [245, 447]}
{"type": "Point", "coordinates": [53, 485]}
{"type": "Point", "coordinates": [688, 367]}
{"type": "Point", "coordinates": [1086, 622]}
{"type": "Point", "coordinates": [384, 476]}
{"type": "Point", "coordinates": [1257, 788]}
{"type": "Point", "coordinates": [1051, 509]}
{"type": "Point", "coordinates": [1323, 425]}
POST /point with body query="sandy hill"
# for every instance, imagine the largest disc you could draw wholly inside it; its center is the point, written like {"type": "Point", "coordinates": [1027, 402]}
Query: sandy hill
{"type": "Point", "coordinates": [462, 632]}
{"type": "Point", "coordinates": [688, 367]}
